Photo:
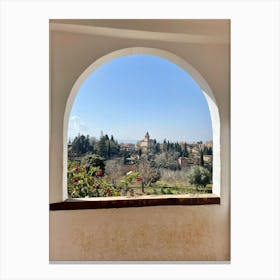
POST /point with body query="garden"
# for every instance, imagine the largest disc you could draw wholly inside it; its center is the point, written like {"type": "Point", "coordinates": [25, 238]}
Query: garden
{"type": "Point", "coordinates": [92, 176]}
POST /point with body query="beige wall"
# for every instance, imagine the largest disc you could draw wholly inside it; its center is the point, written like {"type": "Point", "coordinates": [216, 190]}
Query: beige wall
{"type": "Point", "coordinates": [148, 233]}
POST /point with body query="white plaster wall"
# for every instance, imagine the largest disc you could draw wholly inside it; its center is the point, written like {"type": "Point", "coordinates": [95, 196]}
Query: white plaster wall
{"type": "Point", "coordinates": [151, 233]}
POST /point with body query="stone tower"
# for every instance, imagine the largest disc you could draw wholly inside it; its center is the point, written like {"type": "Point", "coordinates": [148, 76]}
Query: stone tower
{"type": "Point", "coordinates": [147, 143]}
{"type": "Point", "coordinates": [147, 137]}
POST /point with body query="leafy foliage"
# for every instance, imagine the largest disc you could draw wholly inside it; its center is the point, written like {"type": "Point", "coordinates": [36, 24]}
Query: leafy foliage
{"type": "Point", "coordinates": [201, 161]}
{"type": "Point", "coordinates": [105, 147]}
{"type": "Point", "coordinates": [207, 151]}
{"type": "Point", "coordinates": [102, 167]}
{"type": "Point", "coordinates": [127, 181]}
{"type": "Point", "coordinates": [81, 145]}
{"type": "Point", "coordinates": [93, 161]}
{"type": "Point", "coordinates": [199, 176]}
{"type": "Point", "coordinates": [88, 181]}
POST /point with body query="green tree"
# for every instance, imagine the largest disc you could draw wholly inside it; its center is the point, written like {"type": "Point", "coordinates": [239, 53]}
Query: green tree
{"type": "Point", "coordinates": [109, 150]}
{"type": "Point", "coordinates": [208, 151]}
{"type": "Point", "coordinates": [201, 162]}
{"type": "Point", "coordinates": [127, 181]}
{"type": "Point", "coordinates": [124, 153]}
{"type": "Point", "coordinates": [199, 176]}
{"type": "Point", "coordinates": [185, 152]}
{"type": "Point", "coordinates": [168, 146]}
{"type": "Point", "coordinates": [157, 148]}
{"type": "Point", "coordinates": [94, 161]}
{"type": "Point", "coordinates": [81, 145]}
{"type": "Point", "coordinates": [102, 147]}
{"type": "Point", "coordinates": [114, 147]}
{"type": "Point", "coordinates": [164, 146]}
{"type": "Point", "coordinates": [93, 145]}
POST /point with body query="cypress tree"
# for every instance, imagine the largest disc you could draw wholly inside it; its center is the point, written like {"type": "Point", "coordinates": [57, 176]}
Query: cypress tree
{"type": "Point", "coordinates": [201, 158]}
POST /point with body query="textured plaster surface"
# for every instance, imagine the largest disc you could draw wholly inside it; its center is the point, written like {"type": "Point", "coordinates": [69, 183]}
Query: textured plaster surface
{"type": "Point", "coordinates": [169, 233]}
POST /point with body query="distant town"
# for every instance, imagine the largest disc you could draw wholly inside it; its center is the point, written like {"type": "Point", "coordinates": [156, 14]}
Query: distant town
{"type": "Point", "coordinates": [188, 154]}
{"type": "Point", "coordinates": [146, 167]}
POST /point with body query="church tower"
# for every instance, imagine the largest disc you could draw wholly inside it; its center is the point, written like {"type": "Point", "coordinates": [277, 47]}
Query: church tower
{"type": "Point", "coordinates": [146, 144]}
{"type": "Point", "coordinates": [147, 137]}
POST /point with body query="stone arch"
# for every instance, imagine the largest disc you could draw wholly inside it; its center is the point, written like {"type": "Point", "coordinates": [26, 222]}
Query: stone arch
{"type": "Point", "coordinates": [198, 78]}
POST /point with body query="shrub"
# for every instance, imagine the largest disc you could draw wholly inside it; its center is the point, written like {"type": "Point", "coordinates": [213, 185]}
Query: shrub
{"type": "Point", "coordinates": [126, 181]}
{"type": "Point", "coordinates": [94, 161]}
{"type": "Point", "coordinates": [85, 180]}
{"type": "Point", "coordinates": [199, 176]}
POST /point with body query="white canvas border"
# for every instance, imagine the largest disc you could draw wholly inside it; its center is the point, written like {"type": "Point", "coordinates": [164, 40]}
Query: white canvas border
{"type": "Point", "coordinates": [255, 126]}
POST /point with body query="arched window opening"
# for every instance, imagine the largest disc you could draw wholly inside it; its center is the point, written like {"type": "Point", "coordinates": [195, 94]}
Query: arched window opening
{"type": "Point", "coordinates": [141, 122]}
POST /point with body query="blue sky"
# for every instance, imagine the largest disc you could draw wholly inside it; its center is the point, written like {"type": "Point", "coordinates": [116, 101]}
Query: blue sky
{"type": "Point", "coordinates": [137, 93]}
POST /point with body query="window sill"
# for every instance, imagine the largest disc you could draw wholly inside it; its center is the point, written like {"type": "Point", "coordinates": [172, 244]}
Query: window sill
{"type": "Point", "coordinates": [121, 202]}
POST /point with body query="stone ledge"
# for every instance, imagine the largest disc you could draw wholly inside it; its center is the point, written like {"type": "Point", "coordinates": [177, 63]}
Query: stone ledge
{"type": "Point", "coordinates": [121, 202]}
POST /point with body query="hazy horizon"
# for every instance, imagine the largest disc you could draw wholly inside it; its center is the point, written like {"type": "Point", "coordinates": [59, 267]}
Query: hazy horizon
{"type": "Point", "coordinates": [135, 141]}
